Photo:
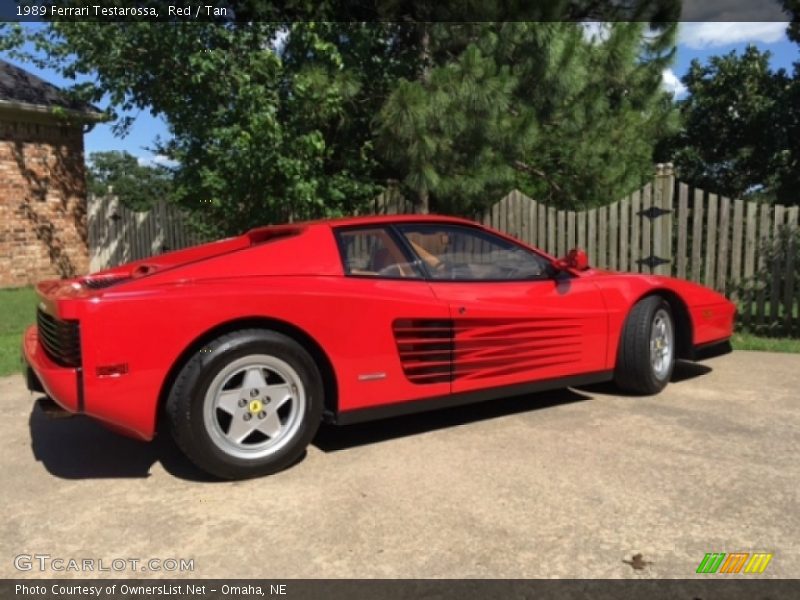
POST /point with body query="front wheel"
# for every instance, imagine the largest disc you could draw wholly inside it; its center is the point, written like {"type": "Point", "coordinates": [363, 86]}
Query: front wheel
{"type": "Point", "coordinates": [646, 355]}
{"type": "Point", "coordinates": [246, 405]}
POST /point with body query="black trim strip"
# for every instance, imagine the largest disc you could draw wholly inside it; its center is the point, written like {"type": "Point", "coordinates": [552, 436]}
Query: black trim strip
{"type": "Point", "coordinates": [711, 349]}
{"type": "Point", "coordinates": [79, 375]}
{"type": "Point", "coordinates": [32, 380]}
{"type": "Point", "coordinates": [373, 413]}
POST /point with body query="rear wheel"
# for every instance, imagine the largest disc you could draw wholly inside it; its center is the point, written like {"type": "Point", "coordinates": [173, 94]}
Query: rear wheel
{"type": "Point", "coordinates": [646, 355]}
{"type": "Point", "coordinates": [246, 405]}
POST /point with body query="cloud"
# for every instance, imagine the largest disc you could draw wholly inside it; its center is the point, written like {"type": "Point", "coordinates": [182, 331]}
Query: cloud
{"type": "Point", "coordinates": [595, 31]}
{"type": "Point", "coordinates": [279, 44]}
{"type": "Point", "coordinates": [156, 160]}
{"type": "Point", "coordinates": [710, 35]}
{"type": "Point", "coordinates": [672, 84]}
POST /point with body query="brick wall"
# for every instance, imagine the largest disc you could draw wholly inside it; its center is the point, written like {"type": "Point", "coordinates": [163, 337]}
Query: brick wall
{"type": "Point", "coordinates": [42, 201]}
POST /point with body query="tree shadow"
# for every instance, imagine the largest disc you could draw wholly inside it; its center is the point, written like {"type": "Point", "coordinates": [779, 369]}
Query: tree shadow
{"type": "Point", "coordinates": [683, 371]}
{"type": "Point", "coordinates": [61, 176]}
{"type": "Point", "coordinates": [331, 438]}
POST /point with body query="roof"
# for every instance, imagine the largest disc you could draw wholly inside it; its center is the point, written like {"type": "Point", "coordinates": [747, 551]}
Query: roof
{"type": "Point", "coordinates": [366, 220]}
{"type": "Point", "coordinates": [25, 92]}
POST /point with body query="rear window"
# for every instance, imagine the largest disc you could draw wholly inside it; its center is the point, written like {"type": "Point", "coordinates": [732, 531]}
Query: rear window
{"type": "Point", "coordinates": [374, 252]}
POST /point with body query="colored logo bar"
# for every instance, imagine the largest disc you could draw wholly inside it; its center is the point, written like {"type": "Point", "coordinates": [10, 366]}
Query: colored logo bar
{"type": "Point", "coordinates": [735, 562]}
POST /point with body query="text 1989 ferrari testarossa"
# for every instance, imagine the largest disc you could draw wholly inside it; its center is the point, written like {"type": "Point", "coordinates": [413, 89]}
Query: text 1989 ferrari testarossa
{"type": "Point", "coordinates": [241, 347]}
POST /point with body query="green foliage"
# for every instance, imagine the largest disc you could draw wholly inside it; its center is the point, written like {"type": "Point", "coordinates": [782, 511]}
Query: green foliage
{"type": "Point", "coordinates": [257, 135]}
{"type": "Point", "coordinates": [793, 8]}
{"type": "Point", "coordinates": [780, 268]}
{"type": "Point", "coordinates": [11, 36]}
{"type": "Point", "coordinates": [737, 127]}
{"type": "Point", "coordinates": [272, 120]}
{"type": "Point", "coordinates": [137, 186]}
{"type": "Point", "coordinates": [537, 106]}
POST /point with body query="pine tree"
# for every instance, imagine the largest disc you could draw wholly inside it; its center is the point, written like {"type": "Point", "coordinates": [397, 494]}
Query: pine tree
{"type": "Point", "coordinates": [567, 119]}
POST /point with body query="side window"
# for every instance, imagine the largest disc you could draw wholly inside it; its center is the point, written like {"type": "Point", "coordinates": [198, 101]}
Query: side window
{"type": "Point", "coordinates": [373, 252]}
{"type": "Point", "coordinates": [462, 253]}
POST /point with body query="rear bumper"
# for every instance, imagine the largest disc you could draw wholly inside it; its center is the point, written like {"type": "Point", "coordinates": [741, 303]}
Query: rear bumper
{"type": "Point", "coordinates": [62, 384]}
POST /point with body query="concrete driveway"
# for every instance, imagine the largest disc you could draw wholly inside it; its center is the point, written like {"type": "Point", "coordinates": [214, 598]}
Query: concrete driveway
{"type": "Point", "coordinates": [564, 484]}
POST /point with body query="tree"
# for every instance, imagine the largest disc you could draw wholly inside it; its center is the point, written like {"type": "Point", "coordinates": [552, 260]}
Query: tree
{"type": "Point", "coordinates": [258, 134]}
{"type": "Point", "coordinates": [537, 106]}
{"type": "Point", "coordinates": [272, 119]}
{"type": "Point", "coordinates": [137, 186]}
{"type": "Point", "coordinates": [734, 127]}
{"type": "Point", "coordinates": [790, 109]}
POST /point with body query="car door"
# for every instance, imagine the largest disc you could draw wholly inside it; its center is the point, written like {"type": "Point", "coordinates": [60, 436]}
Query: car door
{"type": "Point", "coordinates": [514, 318]}
{"type": "Point", "coordinates": [380, 301]}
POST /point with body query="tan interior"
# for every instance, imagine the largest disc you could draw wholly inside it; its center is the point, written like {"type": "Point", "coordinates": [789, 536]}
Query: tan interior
{"type": "Point", "coordinates": [431, 260]}
{"type": "Point", "coordinates": [393, 257]}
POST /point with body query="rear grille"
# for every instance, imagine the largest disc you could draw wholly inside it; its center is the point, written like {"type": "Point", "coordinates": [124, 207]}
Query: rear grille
{"type": "Point", "coordinates": [60, 339]}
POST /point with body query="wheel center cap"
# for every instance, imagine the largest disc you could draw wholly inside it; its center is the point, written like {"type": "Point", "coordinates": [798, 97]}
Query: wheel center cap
{"type": "Point", "coordinates": [255, 406]}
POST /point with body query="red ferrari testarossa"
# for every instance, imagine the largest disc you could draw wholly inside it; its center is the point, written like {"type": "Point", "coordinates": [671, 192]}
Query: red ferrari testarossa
{"type": "Point", "coordinates": [243, 346]}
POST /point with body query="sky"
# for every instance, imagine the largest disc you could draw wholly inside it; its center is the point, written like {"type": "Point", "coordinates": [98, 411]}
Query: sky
{"type": "Point", "coordinates": [696, 41]}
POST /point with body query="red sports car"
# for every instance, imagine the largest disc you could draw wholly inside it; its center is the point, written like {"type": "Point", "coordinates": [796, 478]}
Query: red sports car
{"type": "Point", "coordinates": [243, 346]}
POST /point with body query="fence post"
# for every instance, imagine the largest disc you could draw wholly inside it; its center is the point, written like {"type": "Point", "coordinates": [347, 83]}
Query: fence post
{"type": "Point", "coordinates": [93, 235]}
{"type": "Point", "coordinates": [662, 226]}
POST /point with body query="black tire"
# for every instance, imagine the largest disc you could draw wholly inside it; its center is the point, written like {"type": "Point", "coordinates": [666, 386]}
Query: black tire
{"type": "Point", "coordinates": [194, 415]}
{"type": "Point", "coordinates": [635, 371]}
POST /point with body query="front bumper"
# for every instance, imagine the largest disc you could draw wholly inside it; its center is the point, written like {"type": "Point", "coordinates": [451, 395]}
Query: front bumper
{"type": "Point", "coordinates": [62, 384]}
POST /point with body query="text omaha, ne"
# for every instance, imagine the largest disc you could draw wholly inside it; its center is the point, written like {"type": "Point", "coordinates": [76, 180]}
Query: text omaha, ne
{"type": "Point", "coordinates": [151, 590]}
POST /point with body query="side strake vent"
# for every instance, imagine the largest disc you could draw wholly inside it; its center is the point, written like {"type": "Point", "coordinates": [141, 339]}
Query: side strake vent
{"type": "Point", "coordinates": [497, 347]}
{"type": "Point", "coordinates": [60, 339]}
{"type": "Point", "coordinates": [425, 347]}
{"type": "Point", "coordinates": [436, 350]}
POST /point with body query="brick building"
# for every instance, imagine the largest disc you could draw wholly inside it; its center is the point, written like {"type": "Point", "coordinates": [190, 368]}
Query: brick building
{"type": "Point", "coordinates": [42, 180]}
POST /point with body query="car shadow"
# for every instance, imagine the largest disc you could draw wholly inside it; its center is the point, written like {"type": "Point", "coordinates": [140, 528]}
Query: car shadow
{"type": "Point", "coordinates": [331, 438]}
{"type": "Point", "coordinates": [683, 371]}
{"type": "Point", "coordinates": [79, 448]}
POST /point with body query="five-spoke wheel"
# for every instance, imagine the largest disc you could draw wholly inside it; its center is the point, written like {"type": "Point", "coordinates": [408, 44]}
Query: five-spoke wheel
{"type": "Point", "coordinates": [661, 343]}
{"type": "Point", "coordinates": [254, 405]}
{"type": "Point", "coordinates": [646, 353]}
{"type": "Point", "coordinates": [246, 405]}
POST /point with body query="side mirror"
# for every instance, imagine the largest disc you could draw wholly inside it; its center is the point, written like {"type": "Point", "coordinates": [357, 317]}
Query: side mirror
{"type": "Point", "coordinates": [575, 259]}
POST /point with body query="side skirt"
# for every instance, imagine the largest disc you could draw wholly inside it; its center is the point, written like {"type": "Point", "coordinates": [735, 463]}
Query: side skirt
{"type": "Point", "coordinates": [711, 349]}
{"type": "Point", "coordinates": [373, 413]}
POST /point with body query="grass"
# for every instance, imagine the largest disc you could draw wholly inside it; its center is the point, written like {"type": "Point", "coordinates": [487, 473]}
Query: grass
{"type": "Point", "coordinates": [18, 310]}
{"type": "Point", "coordinates": [748, 341]}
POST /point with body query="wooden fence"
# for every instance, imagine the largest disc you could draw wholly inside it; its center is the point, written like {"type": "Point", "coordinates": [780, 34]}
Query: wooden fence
{"type": "Point", "coordinates": [118, 235]}
{"type": "Point", "coordinates": [665, 228]}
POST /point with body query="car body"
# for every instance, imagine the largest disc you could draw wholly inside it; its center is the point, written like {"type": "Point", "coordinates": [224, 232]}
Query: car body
{"type": "Point", "coordinates": [389, 329]}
